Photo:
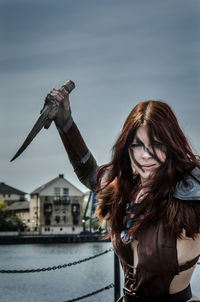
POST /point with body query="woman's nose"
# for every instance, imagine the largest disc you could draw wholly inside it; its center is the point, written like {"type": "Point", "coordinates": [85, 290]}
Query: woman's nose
{"type": "Point", "coordinates": [146, 153]}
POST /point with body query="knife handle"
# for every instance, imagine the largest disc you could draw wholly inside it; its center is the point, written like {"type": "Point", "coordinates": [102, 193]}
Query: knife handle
{"type": "Point", "coordinates": [68, 86]}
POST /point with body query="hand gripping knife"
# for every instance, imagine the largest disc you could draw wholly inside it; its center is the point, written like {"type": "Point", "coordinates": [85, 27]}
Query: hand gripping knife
{"type": "Point", "coordinates": [47, 115]}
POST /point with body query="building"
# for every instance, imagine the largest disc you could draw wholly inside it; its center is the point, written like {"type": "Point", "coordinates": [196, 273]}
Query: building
{"type": "Point", "coordinates": [10, 194]}
{"type": "Point", "coordinates": [56, 208]}
{"type": "Point", "coordinates": [21, 209]}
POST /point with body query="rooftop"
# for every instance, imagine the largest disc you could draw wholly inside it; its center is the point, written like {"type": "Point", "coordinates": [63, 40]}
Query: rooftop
{"type": "Point", "coordinates": [5, 189]}
{"type": "Point", "coordinates": [19, 205]}
{"type": "Point", "coordinates": [49, 183]}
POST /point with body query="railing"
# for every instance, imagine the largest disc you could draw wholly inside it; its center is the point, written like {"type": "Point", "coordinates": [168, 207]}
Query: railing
{"type": "Point", "coordinates": [115, 285]}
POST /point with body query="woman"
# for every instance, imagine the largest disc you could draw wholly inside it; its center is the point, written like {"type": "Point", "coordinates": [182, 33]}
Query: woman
{"type": "Point", "coordinates": [150, 195]}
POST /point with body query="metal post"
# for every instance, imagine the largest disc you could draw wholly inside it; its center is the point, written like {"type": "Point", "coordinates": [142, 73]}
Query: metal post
{"type": "Point", "coordinates": [91, 229]}
{"type": "Point", "coordinates": [116, 278]}
{"type": "Point", "coordinates": [37, 216]}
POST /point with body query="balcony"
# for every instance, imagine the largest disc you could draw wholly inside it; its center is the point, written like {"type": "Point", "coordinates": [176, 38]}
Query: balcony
{"type": "Point", "coordinates": [57, 201]}
{"type": "Point", "coordinates": [65, 200]}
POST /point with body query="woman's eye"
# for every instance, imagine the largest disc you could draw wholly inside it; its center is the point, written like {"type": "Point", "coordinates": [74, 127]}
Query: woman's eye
{"type": "Point", "coordinates": [157, 144]}
{"type": "Point", "coordinates": [137, 145]}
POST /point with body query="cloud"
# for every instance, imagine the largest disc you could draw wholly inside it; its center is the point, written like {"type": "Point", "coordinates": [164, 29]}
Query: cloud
{"type": "Point", "coordinates": [118, 54]}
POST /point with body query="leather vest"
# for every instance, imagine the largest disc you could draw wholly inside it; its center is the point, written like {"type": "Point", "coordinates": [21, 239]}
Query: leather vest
{"type": "Point", "coordinates": [157, 261]}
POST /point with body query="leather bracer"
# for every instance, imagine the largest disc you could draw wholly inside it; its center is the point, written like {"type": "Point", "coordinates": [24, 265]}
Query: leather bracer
{"type": "Point", "coordinates": [82, 160]}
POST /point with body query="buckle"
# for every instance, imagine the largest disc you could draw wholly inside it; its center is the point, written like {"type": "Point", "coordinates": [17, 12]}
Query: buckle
{"type": "Point", "coordinates": [130, 296]}
{"type": "Point", "coordinates": [128, 292]}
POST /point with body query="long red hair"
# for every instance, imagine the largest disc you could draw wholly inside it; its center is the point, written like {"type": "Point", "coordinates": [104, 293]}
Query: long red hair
{"type": "Point", "coordinates": [117, 184]}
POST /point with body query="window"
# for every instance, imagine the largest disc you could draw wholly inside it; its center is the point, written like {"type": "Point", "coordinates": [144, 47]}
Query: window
{"type": "Point", "coordinates": [57, 191]}
{"type": "Point", "coordinates": [75, 209]}
{"type": "Point", "coordinates": [65, 191]}
{"type": "Point", "coordinates": [57, 200]}
{"type": "Point", "coordinates": [64, 219]}
{"type": "Point", "coordinates": [57, 208]}
{"type": "Point", "coordinates": [64, 208]}
{"type": "Point", "coordinates": [47, 221]}
{"type": "Point", "coordinates": [75, 220]}
{"type": "Point", "coordinates": [65, 198]}
{"type": "Point", "coordinates": [57, 219]}
{"type": "Point", "coordinates": [47, 208]}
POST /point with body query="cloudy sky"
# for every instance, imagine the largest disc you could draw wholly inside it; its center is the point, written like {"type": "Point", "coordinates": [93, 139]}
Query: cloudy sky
{"type": "Point", "coordinates": [117, 52]}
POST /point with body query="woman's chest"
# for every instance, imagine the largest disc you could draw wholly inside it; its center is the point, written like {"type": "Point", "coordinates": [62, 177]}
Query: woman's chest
{"type": "Point", "coordinates": [156, 249]}
{"type": "Point", "coordinates": [163, 252]}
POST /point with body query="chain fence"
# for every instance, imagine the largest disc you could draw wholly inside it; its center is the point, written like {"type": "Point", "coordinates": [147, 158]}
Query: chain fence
{"type": "Point", "coordinates": [93, 293]}
{"type": "Point", "coordinates": [111, 285]}
{"type": "Point", "coordinates": [38, 270]}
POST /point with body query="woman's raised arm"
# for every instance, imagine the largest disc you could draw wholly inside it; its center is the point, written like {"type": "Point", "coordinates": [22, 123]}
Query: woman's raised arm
{"type": "Point", "coordinates": [82, 160]}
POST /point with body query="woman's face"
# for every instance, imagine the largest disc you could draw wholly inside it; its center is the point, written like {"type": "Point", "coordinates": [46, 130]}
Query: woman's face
{"type": "Point", "coordinates": [142, 156]}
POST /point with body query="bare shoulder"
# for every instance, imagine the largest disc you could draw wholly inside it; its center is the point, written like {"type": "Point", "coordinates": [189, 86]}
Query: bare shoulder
{"type": "Point", "coordinates": [187, 248]}
{"type": "Point", "coordinates": [197, 243]}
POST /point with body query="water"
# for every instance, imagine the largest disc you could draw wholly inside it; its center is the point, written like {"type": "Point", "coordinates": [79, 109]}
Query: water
{"type": "Point", "coordinates": [64, 284]}
{"type": "Point", "coordinates": [59, 285]}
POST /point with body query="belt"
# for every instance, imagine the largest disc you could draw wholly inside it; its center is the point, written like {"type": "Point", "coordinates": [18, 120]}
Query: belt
{"type": "Point", "coordinates": [181, 296]}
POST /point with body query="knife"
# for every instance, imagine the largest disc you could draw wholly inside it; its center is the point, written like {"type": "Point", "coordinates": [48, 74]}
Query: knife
{"type": "Point", "coordinates": [47, 115]}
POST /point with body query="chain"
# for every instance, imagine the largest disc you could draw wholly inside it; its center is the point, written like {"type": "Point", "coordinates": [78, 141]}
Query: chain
{"type": "Point", "coordinates": [91, 294]}
{"type": "Point", "coordinates": [55, 267]}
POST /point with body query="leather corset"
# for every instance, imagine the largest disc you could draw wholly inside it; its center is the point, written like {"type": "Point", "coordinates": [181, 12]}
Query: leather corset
{"type": "Point", "coordinates": [157, 261]}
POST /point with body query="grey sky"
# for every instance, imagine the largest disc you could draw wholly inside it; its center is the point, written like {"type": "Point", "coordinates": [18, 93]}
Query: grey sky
{"type": "Point", "coordinates": [117, 52]}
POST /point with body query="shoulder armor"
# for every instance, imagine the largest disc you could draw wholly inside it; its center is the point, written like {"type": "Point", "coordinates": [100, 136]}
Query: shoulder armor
{"type": "Point", "coordinates": [190, 191]}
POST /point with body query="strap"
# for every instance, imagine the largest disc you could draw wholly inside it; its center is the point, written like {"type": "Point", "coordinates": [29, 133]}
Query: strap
{"type": "Point", "coordinates": [184, 295]}
{"type": "Point", "coordinates": [181, 296]}
{"type": "Point", "coordinates": [188, 264]}
{"type": "Point", "coordinates": [67, 125]}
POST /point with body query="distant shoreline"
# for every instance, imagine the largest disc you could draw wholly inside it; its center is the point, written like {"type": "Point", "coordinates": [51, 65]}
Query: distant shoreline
{"type": "Point", "coordinates": [71, 238]}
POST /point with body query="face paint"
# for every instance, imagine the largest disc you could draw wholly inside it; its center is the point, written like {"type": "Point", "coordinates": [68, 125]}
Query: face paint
{"type": "Point", "coordinates": [145, 157]}
{"type": "Point", "coordinates": [139, 147]}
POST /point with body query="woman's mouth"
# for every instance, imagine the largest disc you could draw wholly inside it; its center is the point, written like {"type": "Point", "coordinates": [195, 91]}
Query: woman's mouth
{"type": "Point", "coordinates": [149, 167]}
